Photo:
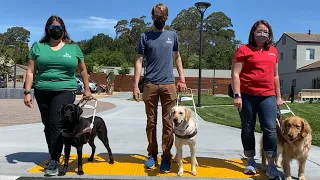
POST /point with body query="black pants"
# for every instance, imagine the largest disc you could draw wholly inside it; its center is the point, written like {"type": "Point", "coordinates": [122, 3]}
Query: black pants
{"type": "Point", "coordinates": [48, 102]}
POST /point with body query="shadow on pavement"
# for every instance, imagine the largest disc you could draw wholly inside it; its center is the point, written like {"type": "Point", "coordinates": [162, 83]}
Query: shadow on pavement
{"type": "Point", "coordinates": [28, 157]}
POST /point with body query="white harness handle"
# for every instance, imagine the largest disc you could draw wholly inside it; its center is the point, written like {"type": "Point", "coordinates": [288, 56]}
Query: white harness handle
{"type": "Point", "coordinates": [86, 106]}
{"type": "Point", "coordinates": [188, 98]}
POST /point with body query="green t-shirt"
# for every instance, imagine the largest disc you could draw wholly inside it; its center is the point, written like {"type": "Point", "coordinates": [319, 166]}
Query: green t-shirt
{"type": "Point", "coordinates": [55, 69]}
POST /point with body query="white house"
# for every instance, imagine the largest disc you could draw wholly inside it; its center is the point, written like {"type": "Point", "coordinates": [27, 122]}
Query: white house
{"type": "Point", "coordinates": [299, 61]}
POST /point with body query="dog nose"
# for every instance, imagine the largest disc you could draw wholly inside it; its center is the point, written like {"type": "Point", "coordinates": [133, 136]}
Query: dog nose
{"type": "Point", "coordinates": [175, 119]}
{"type": "Point", "coordinates": [290, 135]}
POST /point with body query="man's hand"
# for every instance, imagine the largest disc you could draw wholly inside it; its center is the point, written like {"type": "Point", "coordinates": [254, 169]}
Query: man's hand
{"type": "Point", "coordinates": [136, 94]}
{"type": "Point", "coordinates": [182, 87]}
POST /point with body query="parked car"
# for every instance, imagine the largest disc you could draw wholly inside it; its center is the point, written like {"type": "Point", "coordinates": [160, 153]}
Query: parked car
{"type": "Point", "coordinates": [92, 85]}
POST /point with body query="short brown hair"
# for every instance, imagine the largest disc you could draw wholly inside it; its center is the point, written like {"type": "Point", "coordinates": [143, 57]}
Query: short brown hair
{"type": "Point", "coordinates": [268, 43]}
{"type": "Point", "coordinates": [163, 8]}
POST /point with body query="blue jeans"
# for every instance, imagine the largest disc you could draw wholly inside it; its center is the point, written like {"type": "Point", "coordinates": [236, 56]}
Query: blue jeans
{"type": "Point", "coordinates": [266, 108]}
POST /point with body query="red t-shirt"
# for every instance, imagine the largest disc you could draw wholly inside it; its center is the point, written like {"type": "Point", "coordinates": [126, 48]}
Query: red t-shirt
{"type": "Point", "coordinates": [257, 75]}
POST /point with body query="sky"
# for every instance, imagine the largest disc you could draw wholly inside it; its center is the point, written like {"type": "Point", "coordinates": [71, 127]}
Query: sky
{"type": "Point", "coordinates": [84, 18]}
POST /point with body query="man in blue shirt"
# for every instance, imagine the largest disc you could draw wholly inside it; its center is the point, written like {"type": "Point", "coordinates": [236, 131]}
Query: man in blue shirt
{"type": "Point", "coordinates": [158, 46]}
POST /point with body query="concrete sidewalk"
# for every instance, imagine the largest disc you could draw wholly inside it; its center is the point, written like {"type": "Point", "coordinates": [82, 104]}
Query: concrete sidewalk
{"type": "Point", "coordinates": [23, 146]}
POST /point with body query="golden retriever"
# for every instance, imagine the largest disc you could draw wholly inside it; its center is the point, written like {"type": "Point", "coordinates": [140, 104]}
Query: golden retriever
{"type": "Point", "coordinates": [185, 131]}
{"type": "Point", "coordinates": [294, 144]}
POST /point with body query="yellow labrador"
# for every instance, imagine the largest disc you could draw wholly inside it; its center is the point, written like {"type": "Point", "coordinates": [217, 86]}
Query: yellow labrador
{"type": "Point", "coordinates": [185, 131]}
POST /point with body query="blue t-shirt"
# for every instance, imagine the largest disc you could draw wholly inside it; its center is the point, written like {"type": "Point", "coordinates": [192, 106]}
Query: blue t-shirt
{"type": "Point", "coordinates": [157, 48]}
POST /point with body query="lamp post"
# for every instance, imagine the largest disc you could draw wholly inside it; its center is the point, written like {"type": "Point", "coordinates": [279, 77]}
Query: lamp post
{"type": "Point", "coordinates": [202, 7]}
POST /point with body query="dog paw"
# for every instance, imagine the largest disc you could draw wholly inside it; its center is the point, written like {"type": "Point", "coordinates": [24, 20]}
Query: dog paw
{"type": "Point", "coordinates": [80, 173]}
{"type": "Point", "coordinates": [301, 178]}
{"type": "Point", "coordinates": [111, 161]}
{"type": "Point", "coordinates": [180, 173]}
{"type": "Point", "coordinates": [62, 173]}
{"type": "Point", "coordinates": [90, 159]}
{"type": "Point", "coordinates": [288, 178]}
{"type": "Point", "coordinates": [194, 172]}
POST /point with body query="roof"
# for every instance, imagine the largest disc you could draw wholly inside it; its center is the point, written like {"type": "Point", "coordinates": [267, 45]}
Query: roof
{"type": "Point", "coordinates": [304, 37]}
{"type": "Point", "coordinates": [310, 67]}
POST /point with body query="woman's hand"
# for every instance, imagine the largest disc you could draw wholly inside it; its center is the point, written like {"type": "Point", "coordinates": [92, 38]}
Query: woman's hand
{"type": "Point", "coordinates": [279, 101]}
{"type": "Point", "coordinates": [28, 100]}
{"type": "Point", "coordinates": [237, 102]}
{"type": "Point", "coordinates": [87, 95]}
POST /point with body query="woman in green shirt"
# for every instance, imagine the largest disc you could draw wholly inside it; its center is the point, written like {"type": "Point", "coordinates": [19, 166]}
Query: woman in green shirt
{"type": "Point", "coordinates": [52, 65]}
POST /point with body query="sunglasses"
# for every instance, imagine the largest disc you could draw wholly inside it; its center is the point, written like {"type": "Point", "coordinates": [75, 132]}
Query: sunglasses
{"type": "Point", "coordinates": [59, 27]}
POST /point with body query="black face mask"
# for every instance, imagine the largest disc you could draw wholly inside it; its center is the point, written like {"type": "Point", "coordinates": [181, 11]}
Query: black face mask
{"type": "Point", "coordinates": [56, 33]}
{"type": "Point", "coordinates": [159, 23]}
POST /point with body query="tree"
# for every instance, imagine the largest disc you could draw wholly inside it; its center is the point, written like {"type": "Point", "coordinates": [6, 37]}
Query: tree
{"type": "Point", "coordinates": [5, 65]}
{"type": "Point", "coordinates": [125, 69]}
{"type": "Point", "coordinates": [18, 37]}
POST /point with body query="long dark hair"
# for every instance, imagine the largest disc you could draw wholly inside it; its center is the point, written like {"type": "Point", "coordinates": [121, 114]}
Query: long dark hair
{"type": "Point", "coordinates": [46, 37]}
{"type": "Point", "coordinates": [268, 43]}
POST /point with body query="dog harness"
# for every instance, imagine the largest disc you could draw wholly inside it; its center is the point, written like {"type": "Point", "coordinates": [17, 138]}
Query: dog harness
{"type": "Point", "coordinates": [74, 134]}
{"type": "Point", "coordinates": [188, 136]}
{"type": "Point", "coordinates": [87, 129]}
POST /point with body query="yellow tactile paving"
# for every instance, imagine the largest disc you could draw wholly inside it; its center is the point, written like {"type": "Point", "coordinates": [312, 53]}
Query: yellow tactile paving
{"type": "Point", "coordinates": [133, 165]}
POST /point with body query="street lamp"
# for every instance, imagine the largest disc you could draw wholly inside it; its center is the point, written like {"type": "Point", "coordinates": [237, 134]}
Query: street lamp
{"type": "Point", "coordinates": [202, 7]}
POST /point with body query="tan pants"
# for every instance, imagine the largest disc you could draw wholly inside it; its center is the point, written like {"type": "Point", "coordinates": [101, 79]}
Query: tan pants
{"type": "Point", "coordinates": [168, 96]}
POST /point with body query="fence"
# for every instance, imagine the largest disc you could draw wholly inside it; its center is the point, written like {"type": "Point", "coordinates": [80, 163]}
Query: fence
{"type": "Point", "coordinates": [124, 83]}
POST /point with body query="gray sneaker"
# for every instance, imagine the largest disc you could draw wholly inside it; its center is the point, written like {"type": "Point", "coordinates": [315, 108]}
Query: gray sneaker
{"type": "Point", "coordinates": [250, 169]}
{"type": "Point", "coordinates": [52, 168]}
{"type": "Point", "coordinates": [272, 172]}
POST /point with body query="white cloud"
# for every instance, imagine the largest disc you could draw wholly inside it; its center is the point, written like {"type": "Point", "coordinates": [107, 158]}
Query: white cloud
{"type": "Point", "coordinates": [94, 22]}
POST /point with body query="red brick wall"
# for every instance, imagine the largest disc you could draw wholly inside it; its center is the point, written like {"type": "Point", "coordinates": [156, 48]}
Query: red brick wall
{"type": "Point", "coordinates": [125, 83]}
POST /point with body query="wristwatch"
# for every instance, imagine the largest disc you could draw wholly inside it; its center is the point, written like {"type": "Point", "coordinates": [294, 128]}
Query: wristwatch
{"type": "Point", "coordinates": [26, 92]}
{"type": "Point", "coordinates": [237, 95]}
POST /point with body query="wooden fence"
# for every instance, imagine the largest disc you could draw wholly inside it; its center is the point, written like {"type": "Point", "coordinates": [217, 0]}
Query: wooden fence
{"type": "Point", "coordinates": [125, 83]}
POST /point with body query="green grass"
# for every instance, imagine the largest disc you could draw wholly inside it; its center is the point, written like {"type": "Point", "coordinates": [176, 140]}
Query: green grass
{"type": "Point", "coordinates": [229, 116]}
{"type": "Point", "coordinates": [209, 100]}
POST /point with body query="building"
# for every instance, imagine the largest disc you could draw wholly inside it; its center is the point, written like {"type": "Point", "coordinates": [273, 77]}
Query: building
{"type": "Point", "coordinates": [299, 61]}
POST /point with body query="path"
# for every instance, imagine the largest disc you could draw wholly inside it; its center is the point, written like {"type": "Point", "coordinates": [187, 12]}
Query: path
{"type": "Point", "coordinates": [23, 146]}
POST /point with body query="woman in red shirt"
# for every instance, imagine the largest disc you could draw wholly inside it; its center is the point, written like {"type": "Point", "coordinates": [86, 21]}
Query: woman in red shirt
{"type": "Point", "coordinates": [255, 84]}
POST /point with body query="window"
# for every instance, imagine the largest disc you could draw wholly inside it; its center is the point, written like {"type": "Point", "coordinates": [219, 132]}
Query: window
{"type": "Point", "coordinates": [284, 40]}
{"type": "Point", "coordinates": [281, 56]}
{"type": "Point", "coordinates": [316, 83]}
{"type": "Point", "coordinates": [281, 82]}
{"type": "Point", "coordinates": [309, 54]}
{"type": "Point", "coordinates": [294, 54]}
{"type": "Point", "coordinates": [294, 82]}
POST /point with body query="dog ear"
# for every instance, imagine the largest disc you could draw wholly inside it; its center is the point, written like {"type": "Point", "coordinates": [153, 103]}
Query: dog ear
{"type": "Point", "coordinates": [79, 111]}
{"type": "Point", "coordinates": [188, 113]}
{"type": "Point", "coordinates": [285, 124]}
{"type": "Point", "coordinates": [60, 109]}
{"type": "Point", "coordinates": [306, 129]}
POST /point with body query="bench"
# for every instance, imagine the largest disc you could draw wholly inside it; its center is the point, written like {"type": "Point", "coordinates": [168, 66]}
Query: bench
{"type": "Point", "coordinates": [309, 94]}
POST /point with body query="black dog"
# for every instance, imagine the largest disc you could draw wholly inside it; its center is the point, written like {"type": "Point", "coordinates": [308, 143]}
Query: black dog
{"type": "Point", "coordinates": [77, 132]}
